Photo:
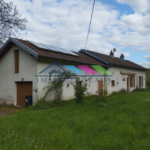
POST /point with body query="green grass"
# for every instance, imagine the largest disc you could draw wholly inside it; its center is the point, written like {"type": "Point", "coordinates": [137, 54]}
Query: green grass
{"type": "Point", "coordinates": [120, 123]}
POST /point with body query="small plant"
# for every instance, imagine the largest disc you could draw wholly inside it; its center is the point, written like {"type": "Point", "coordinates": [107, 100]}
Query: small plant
{"type": "Point", "coordinates": [2, 103]}
{"type": "Point", "coordinates": [41, 104]}
{"type": "Point", "coordinates": [80, 89]}
{"type": "Point", "coordinates": [35, 90]}
{"type": "Point", "coordinates": [102, 96]}
{"type": "Point", "coordinates": [88, 93]}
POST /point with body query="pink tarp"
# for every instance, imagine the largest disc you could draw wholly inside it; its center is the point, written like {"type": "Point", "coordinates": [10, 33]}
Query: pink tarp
{"type": "Point", "coordinates": [87, 69]}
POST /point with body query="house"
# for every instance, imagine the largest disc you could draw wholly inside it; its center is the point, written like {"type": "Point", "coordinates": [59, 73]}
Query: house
{"type": "Point", "coordinates": [26, 65]}
{"type": "Point", "coordinates": [126, 74]}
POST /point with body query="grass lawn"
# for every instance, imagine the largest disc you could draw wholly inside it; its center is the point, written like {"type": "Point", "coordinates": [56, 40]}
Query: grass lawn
{"type": "Point", "coordinates": [124, 124]}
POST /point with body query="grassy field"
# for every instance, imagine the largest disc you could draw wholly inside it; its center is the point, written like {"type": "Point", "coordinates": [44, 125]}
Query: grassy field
{"type": "Point", "coordinates": [123, 123]}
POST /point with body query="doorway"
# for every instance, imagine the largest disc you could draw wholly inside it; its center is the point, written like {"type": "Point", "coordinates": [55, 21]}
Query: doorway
{"type": "Point", "coordinates": [23, 88]}
{"type": "Point", "coordinates": [100, 86]}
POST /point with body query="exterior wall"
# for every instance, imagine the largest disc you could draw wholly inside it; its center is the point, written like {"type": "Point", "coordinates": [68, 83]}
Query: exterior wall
{"type": "Point", "coordinates": [117, 76]}
{"type": "Point", "coordinates": [29, 67]}
{"type": "Point", "coordinates": [68, 92]}
{"type": "Point", "coordinates": [8, 79]}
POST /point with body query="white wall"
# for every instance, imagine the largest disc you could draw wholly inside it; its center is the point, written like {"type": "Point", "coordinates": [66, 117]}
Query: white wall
{"type": "Point", "coordinates": [117, 76]}
{"type": "Point", "coordinates": [68, 92]}
{"type": "Point", "coordinates": [8, 79]}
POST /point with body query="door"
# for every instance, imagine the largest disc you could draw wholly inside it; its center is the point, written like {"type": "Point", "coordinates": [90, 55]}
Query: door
{"type": "Point", "coordinates": [23, 88]}
{"type": "Point", "coordinates": [128, 85]}
{"type": "Point", "coordinates": [100, 86]}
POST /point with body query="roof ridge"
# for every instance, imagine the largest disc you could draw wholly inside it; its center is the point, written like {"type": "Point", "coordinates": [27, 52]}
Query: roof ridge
{"type": "Point", "coordinates": [114, 60]}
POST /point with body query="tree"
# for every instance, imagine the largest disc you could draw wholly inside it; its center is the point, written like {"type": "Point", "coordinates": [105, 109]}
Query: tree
{"type": "Point", "coordinates": [10, 21]}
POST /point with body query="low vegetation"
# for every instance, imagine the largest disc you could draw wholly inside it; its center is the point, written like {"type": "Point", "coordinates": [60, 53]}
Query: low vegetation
{"type": "Point", "coordinates": [120, 121]}
{"type": "Point", "coordinates": [141, 90]}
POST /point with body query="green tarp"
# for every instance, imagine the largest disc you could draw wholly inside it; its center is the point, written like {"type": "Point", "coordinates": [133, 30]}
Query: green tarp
{"type": "Point", "coordinates": [100, 69]}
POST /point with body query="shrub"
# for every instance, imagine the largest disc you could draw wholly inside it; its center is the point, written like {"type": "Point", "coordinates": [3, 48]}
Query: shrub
{"type": "Point", "coordinates": [41, 104]}
{"type": "Point", "coordinates": [80, 89]}
{"type": "Point", "coordinates": [80, 92]}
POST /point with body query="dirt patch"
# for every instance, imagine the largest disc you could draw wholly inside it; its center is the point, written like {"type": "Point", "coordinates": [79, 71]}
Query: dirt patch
{"type": "Point", "coordinates": [9, 109]}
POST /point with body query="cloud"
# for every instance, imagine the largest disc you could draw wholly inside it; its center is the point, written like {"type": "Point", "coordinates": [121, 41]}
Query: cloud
{"type": "Point", "coordinates": [65, 24]}
{"type": "Point", "coordinates": [145, 64]}
{"type": "Point", "coordinates": [138, 5]}
{"type": "Point", "coordinates": [147, 57]}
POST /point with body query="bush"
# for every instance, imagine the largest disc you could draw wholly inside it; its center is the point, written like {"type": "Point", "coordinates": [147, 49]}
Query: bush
{"type": "Point", "coordinates": [140, 90]}
{"type": "Point", "coordinates": [80, 91]}
{"type": "Point", "coordinates": [41, 104]}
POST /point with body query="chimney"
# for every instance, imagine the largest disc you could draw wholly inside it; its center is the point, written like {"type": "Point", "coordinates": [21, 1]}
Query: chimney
{"type": "Point", "coordinates": [111, 54]}
{"type": "Point", "coordinates": [122, 57]}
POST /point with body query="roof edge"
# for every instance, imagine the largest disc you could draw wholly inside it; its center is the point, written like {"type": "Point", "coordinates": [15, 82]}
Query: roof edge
{"type": "Point", "coordinates": [21, 46]}
{"type": "Point", "coordinates": [93, 56]}
{"type": "Point", "coordinates": [106, 62]}
{"type": "Point", "coordinates": [5, 44]}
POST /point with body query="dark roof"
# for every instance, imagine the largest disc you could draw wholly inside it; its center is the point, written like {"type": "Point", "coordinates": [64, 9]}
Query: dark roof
{"type": "Point", "coordinates": [84, 56]}
{"type": "Point", "coordinates": [112, 60]}
{"type": "Point", "coordinates": [36, 52]}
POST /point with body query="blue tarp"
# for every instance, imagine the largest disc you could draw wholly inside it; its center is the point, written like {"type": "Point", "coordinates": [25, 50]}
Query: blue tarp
{"type": "Point", "coordinates": [73, 69]}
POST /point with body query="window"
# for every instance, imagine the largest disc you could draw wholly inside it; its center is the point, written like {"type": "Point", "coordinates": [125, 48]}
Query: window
{"type": "Point", "coordinates": [17, 61]}
{"type": "Point", "coordinates": [140, 81]}
{"type": "Point", "coordinates": [79, 82]}
{"type": "Point", "coordinates": [132, 81]}
{"type": "Point", "coordinates": [112, 82]}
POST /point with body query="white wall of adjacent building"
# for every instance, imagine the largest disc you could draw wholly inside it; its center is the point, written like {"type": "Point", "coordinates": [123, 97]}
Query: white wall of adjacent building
{"type": "Point", "coordinates": [118, 78]}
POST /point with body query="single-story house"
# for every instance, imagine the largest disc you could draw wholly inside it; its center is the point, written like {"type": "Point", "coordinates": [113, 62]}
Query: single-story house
{"type": "Point", "coordinates": [25, 66]}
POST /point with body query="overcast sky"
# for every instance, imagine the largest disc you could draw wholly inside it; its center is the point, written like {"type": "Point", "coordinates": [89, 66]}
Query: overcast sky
{"type": "Point", "coordinates": [123, 24]}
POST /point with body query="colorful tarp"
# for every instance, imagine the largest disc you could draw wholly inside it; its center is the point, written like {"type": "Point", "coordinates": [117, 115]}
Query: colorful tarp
{"type": "Point", "coordinates": [87, 69]}
{"type": "Point", "coordinates": [73, 69]}
{"type": "Point", "coordinates": [100, 69]}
